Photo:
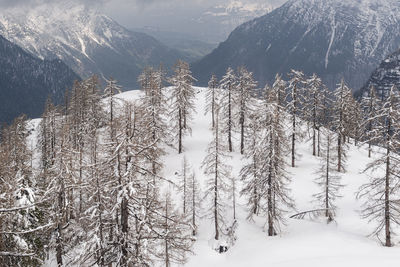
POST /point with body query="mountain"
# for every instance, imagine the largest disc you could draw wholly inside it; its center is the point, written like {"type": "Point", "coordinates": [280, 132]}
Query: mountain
{"type": "Point", "coordinates": [26, 81]}
{"type": "Point", "coordinates": [86, 40]}
{"type": "Point", "coordinates": [333, 38]}
{"type": "Point", "coordinates": [385, 76]}
{"type": "Point", "coordinates": [221, 19]}
{"type": "Point", "coordinates": [188, 45]}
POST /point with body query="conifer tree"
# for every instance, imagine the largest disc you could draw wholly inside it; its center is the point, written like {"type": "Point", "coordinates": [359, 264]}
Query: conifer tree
{"type": "Point", "coordinates": [314, 106]}
{"type": "Point", "coordinates": [370, 107]}
{"type": "Point", "coordinates": [212, 98]}
{"type": "Point", "coordinates": [328, 180]}
{"type": "Point", "coordinates": [295, 104]}
{"type": "Point", "coordinates": [273, 176]}
{"type": "Point", "coordinates": [250, 174]}
{"type": "Point", "coordinates": [228, 85]}
{"type": "Point", "coordinates": [183, 95]}
{"type": "Point", "coordinates": [340, 123]}
{"type": "Point", "coordinates": [174, 237]}
{"type": "Point", "coordinates": [381, 192]}
{"type": "Point", "coordinates": [193, 197]}
{"type": "Point", "coordinates": [245, 97]}
{"type": "Point", "coordinates": [215, 167]}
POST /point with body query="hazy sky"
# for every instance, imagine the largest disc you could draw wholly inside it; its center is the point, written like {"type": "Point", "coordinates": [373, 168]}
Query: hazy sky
{"type": "Point", "coordinates": [171, 15]}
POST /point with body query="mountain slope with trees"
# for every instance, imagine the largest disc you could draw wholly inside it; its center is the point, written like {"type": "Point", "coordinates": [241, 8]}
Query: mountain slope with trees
{"type": "Point", "coordinates": [112, 178]}
{"type": "Point", "coordinates": [384, 77]}
{"type": "Point", "coordinates": [26, 82]}
{"type": "Point", "coordinates": [332, 38]}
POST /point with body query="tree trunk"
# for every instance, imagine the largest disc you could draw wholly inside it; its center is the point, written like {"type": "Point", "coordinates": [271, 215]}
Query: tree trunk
{"type": "Point", "coordinates": [339, 169]}
{"type": "Point", "coordinates": [230, 119]}
{"type": "Point", "coordinates": [194, 206]}
{"type": "Point", "coordinates": [294, 142]}
{"type": "Point", "coordinates": [180, 132]}
{"type": "Point", "coordinates": [242, 134]}
{"type": "Point", "coordinates": [124, 228]}
{"type": "Point", "coordinates": [387, 189]}
{"type": "Point", "coordinates": [327, 213]}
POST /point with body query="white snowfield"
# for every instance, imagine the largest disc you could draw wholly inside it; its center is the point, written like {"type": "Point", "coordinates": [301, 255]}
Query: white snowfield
{"type": "Point", "coordinates": [343, 243]}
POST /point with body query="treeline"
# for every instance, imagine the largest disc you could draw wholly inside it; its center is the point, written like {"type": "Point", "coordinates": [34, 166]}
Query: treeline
{"type": "Point", "coordinates": [95, 195]}
{"type": "Point", "coordinates": [92, 191]}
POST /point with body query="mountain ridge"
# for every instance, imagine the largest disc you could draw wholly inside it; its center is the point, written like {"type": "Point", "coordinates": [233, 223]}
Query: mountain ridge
{"type": "Point", "coordinates": [26, 82]}
{"type": "Point", "coordinates": [86, 40]}
{"type": "Point", "coordinates": [335, 39]}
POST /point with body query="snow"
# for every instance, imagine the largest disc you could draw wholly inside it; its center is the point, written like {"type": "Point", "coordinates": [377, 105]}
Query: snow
{"type": "Point", "coordinates": [302, 242]}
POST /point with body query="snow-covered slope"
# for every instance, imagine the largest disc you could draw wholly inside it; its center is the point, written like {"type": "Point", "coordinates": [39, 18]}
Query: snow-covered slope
{"type": "Point", "coordinates": [385, 76]}
{"type": "Point", "coordinates": [344, 242]}
{"type": "Point", "coordinates": [333, 38]}
{"type": "Point", "coordinates": [86, 40]}
{"type": "Point", "coordinates": [302, 243]}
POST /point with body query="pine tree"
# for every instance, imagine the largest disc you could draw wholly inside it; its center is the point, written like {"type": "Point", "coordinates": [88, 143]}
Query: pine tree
{"type": "Point", "coordinates": [295, 104]}
{"type": "Point", "coordinates": [245, 97]}
{"type": "Point", "coordinates": [174, 237]}
{"type": "Point", "coordinates": [228, 86]}
{"type": "Point", "coordinates": [183, 95]}
{"type": "Point", "coordinates": [193, 198]}
{"type": "Point", "coordinates": [250, 174]}
{"type": "Point", "coordinates": [184, 184]}
{"type": "Point", "coordinates": [381, 192]}
{"type": "Point", "coordinates": [370, 105]}
{"type": "Point", "coordinates": [273, 176]}
{"type": "Point", "coordinates": [328, 180]}
{"type": "Point", "coordinates": [212, 98]}
{"type": "Point", "coordinates": [279, 87]}
{"type": "Point", "coordinates": [154, 107]}
{"type": "Point", "coordinates": [215, 167]}
{"type": "Point", "coordinates": [341, 115]}
{"type": "Point", "coordinates": [21, 241]}
{"type": "Point", "coordinates": [314, 107]}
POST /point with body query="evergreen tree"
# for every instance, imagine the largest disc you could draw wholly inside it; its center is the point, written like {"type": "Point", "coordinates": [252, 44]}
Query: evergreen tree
{"type": "Point", "coordinates": [328, 179]}
{"type": "Point", "coordinates": [245, 97]}
{"type": "Point", "coordinates": [273, 176]}
{"type": "Point", "coordinates": [381, 192]}
{"type": "Point", "coordinates": [370, 105]}
{"type": "Point", "coordinates": [228, 87]}
{"type": "Point", "coordinates": [215, 167]}
{"type": "Point", "coordinates": [183, 95]}
{"type": "Point", "coordinates": [295, 104]}
{"type": "Point", "coordinates": [341, 115]}
{"type": "Point", "coordinates": [174, 237]}
{"type": "Point", "coordinates": [212, 98]}
{"type": "Point", "coordinates": [250, 174]}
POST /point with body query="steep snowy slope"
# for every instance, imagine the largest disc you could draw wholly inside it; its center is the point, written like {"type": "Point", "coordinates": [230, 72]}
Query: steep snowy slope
{"type": "Point", "coordinates": [303, 242]}
{"type": "Point", "coordinates": [87, 41]}
{"type": "Point", "coordinates": [385, 76]}
{"type": "Point", "coordinates": [332, 38]}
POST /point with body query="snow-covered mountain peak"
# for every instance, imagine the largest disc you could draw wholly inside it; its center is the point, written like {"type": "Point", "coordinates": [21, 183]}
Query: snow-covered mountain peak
{"type": "Point", "coordinates": [85, 39]}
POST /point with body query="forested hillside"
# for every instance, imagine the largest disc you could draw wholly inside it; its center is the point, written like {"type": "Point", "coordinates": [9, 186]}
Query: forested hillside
{"type": "Point", "coordinates": [225, 175]}
{"type": "Point", "coordinates": [26, 82]}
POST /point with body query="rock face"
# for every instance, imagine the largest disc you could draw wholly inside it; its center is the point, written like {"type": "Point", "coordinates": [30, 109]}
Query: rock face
{"type": "Point", "coordinates": [26, 82]}
{"type": "Point", "coordinates": [384, 77]}
{"type": "Point", "coordinates": [333, 38]}
{"type": "Point", "coordinates": [87, 41]}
